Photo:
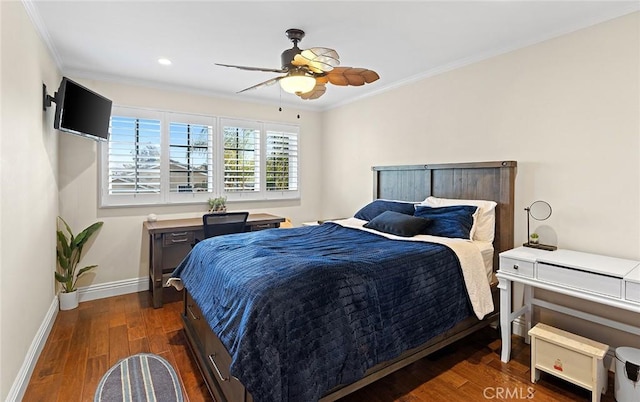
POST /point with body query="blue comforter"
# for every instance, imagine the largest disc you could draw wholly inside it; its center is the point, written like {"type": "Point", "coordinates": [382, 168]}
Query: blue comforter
{"type": "Point", "coordinates": [304, 310]}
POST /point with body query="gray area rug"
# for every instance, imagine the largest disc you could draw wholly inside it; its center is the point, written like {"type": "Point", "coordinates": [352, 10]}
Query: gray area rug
{"type": "Point", "coordinates": [144, 377]}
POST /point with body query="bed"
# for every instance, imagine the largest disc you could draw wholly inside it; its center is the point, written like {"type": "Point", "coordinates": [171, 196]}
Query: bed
{"type": "Point", "coordinates": [290, 315]}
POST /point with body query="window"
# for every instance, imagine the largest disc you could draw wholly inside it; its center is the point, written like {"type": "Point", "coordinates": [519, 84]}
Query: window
{"type": "Point", "coordinates": [241, 156]}
{"type": "Point", "coordinates": [281, 160]}
{"type": "Point", "coordinates": [134, 156]}
{"type": "Point", "coordinates": [190, 157]}
{"type": "Point", "coordinates": [260, 160]}
{"type": "Point", "coordinates": [155, 157]}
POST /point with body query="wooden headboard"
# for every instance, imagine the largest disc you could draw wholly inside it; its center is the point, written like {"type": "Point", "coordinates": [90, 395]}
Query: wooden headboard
{"type": "Point", "coordinates": [474, 181]}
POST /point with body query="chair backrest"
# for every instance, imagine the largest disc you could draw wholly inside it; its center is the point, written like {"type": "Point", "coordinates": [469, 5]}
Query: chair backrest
{"type": "Point", "coordinates": [224, 223]}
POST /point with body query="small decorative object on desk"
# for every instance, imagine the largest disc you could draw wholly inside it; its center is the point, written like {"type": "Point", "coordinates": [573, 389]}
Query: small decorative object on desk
{"type": "Point", "coordinates": [217, 204]}
{"type": "Point", "coordinates": [540, 211]}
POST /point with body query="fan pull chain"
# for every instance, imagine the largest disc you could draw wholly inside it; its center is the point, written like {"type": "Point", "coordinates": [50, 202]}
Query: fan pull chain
{"type": "Point", "coordinates": [280, 107]}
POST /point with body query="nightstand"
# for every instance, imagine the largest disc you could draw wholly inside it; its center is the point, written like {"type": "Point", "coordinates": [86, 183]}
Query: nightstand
{"type": "Point", "coordinates": [320, 222]}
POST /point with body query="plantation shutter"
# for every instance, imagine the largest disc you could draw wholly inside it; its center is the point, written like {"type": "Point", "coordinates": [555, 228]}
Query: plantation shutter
{"type": "Point", "coordinates": [190, 158]}
{"type": "Point", "coordinates": [155, 157]}
{"type": "Point", "coordinates": [241, 145]}
{"type": "Point", "coordinates": [134, 156]}
{"type": "Point", "coordinates": [281, 158]}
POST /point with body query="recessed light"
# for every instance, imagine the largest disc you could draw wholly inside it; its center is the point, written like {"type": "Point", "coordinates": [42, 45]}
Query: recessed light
{"type": "Point", "coordinates": [164, 62]}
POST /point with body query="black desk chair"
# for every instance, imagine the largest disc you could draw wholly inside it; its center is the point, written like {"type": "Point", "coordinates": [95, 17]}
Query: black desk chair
{"type": "Point", "coordinates": [224, 223]}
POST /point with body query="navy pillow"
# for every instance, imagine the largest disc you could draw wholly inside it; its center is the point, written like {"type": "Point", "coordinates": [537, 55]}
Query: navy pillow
{"type": "Point", "coordinates": [398, 224]}
{"type": "Point", "coordinates": [375, 208]}
{"type": "Point", "coordinates": [454, 221]}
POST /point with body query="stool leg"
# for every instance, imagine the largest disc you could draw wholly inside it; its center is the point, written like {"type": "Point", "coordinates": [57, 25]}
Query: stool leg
{"type": "Point", "coordinates": [535, 373]}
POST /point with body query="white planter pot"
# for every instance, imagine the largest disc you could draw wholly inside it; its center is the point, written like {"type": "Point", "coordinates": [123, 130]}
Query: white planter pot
{"type": "Point", "coordinates": [68, 301]}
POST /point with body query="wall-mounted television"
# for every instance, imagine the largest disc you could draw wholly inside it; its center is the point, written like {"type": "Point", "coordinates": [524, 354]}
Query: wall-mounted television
{"type": "Point", "coordinates": [81, 111]}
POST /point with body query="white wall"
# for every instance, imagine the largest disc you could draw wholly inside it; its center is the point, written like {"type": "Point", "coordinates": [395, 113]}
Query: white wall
{"type": "Point", "coordinates": [28, 179]}
{"type": "Point", "coordinates": [566, 109]}
{"type": "Point", "coordinates": [121, 249]}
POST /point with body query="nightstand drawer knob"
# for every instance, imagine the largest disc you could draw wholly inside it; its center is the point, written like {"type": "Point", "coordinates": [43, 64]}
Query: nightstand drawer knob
{"type": "Point", "coordinates": [515, 266]}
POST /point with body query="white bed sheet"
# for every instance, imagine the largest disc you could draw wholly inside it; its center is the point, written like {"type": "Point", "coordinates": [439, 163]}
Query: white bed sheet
{"type": "Point", "coordinates": [472, 262]}
{"type": "Point", "coordinates": [486, 249]}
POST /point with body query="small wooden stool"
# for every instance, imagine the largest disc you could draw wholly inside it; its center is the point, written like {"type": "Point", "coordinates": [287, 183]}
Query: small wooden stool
{"type": "Point", "coordinates": [568, 356]}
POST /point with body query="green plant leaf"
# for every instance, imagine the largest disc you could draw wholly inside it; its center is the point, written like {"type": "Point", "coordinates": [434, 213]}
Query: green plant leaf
{"type": "Point", "coordinates": [66, 225]}
{"type": "Point", "coordinates": [86, 234]}
{"type": "Point", "coordinates": [61, 278]}
{"type": "Point", "coordinates": [85, 269]}
{"type": "Point", "coordinates": [63, 244]}
{"type": "Point", "coordinates": [63, 261]}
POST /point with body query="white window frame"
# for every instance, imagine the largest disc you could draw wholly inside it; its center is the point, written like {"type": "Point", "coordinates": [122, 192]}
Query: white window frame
{"type": "Point", "coordinates": [166, 197]}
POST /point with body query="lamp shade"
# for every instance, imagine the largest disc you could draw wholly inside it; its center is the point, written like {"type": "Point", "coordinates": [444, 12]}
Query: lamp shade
{"type": "Point", "coordinates": [297, 83]}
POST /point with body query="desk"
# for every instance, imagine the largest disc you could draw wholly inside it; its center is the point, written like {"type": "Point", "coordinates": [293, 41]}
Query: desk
{"type": "Point", "coordinates": [614, 282]}
{"type": "Point", "coordinates": [170, 241]}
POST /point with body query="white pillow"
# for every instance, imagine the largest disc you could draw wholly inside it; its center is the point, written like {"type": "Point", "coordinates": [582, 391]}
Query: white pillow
{"type": "Point", "coordinates": [484, 223]}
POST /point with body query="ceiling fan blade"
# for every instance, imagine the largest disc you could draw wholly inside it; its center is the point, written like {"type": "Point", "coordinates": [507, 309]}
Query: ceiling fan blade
{"type": "Point", "coordinates": [352, 76]}
{"type": "Point", "coordinates": [263, 84]}
{"type": "Point", "coordinates": [318, 59]}
{"type": "Point", "coordinates": [315, 93]}
{"type": "Point", "coordinates": [268, 70]}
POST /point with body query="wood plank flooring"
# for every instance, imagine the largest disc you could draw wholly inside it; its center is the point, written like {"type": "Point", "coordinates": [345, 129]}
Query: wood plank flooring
{"type": "Point", "coordinates": [85, 342]}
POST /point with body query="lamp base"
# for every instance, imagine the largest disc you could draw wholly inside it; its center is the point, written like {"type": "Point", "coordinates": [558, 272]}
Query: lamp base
{"type": "Point", "coordinates": [541, 246]}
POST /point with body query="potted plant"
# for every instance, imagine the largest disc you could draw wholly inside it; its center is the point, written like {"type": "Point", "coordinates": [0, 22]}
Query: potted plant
{"type": "Point", "coordinates": [69, 252]}
{"type": "Point", "coordinates": [534, 238]}
{"type": "Point", "coordinates": [218, 204]}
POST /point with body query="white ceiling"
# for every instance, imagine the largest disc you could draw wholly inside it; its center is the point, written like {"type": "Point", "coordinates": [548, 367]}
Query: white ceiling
{"type": "Point", "coordinates": [402, 41]}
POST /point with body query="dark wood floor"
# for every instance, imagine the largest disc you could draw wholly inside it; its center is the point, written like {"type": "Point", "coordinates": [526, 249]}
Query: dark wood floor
{"type": "Point", "coordinates": [86, 341]}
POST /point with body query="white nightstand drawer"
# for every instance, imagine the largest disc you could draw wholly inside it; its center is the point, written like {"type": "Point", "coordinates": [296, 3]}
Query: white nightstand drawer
{"type": "Point", "coordinates": [518, 267]}
{"type": "Point", "coordinates": [632, 291]}
{"type": "Point", "coordinates": [582, 280]}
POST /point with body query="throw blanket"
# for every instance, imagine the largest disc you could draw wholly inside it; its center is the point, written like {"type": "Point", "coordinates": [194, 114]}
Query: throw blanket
{"type": "Point", "coordinates": [475, 279]}
{"type": "Point", "coordinates": [306, 309]}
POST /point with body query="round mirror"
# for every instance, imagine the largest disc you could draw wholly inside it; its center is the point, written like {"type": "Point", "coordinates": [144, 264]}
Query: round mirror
{"type": "Point", "coordinates": [540, 210]}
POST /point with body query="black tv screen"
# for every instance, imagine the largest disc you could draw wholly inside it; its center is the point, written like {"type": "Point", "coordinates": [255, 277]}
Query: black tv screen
{"type": "Point", "coordinates": [81, 111]}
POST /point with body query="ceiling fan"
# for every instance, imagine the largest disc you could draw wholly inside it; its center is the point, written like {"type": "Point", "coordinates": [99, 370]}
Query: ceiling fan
{"type": "Point", "coordinates": [306, 72]}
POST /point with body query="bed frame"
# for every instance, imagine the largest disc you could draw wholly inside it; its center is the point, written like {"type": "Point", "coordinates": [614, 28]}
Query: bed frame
{"type": "Point", "coordinates": [481, 181]}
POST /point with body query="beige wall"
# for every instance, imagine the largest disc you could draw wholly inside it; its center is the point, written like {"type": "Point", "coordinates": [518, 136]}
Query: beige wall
{"type": "Point", "coordinates": [121, 249]}
{"type": "Point", "coordinates": [28, 179]}
{"type": "Point", "coordinates": [567, 110]}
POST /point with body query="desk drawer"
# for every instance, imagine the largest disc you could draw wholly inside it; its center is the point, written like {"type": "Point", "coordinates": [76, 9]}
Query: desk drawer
{"type": "Point", "coordinates": [518, 267]}
{"type": "Point", "coordinates": [263, 226]}
{"type": "Point", "coordinates": [574, 278]}
{"type": "Point", "coordinates": [177, 238]}
{"type": "Point", "coordinates": [632, 292]}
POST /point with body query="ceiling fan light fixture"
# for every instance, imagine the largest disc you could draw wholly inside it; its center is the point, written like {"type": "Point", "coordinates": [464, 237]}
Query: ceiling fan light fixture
{"type": "Point", "coordinates": [297, 83]}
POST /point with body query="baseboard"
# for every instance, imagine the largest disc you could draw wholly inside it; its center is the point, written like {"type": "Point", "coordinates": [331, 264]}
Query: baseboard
{"type": "Point", "coordinates": [519, 327]}
{"type": "Point", "coordinates": [116, 288]}
{"type": "Point", "coordinates": [16, 393]}
{"type": "Point", "coordinates": [93, 292]}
